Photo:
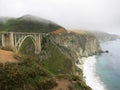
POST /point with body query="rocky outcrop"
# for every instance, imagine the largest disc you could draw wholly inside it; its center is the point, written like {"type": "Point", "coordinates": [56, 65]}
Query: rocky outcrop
{"type": "Point", "coordinates": [76, 46]}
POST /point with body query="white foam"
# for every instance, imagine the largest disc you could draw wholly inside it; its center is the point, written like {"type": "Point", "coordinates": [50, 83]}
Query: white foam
{"type": "Point", "coordinates": [89, 72]}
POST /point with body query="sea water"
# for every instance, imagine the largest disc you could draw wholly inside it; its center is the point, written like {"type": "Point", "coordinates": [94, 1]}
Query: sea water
{"type": "Point", "coordinates": [108, 65]}
{"type": "Point", "coordinates": [102, 72]}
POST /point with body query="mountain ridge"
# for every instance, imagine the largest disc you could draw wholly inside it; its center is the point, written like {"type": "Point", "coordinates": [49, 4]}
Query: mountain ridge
{"type": "Point", "coordinates": [28, 23]}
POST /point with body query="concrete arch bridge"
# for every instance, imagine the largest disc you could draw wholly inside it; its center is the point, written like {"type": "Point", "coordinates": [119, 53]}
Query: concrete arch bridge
{"type": "Point", "coordinates": [14, 40]}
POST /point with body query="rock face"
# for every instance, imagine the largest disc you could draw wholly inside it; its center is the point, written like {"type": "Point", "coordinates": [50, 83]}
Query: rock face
{"type": "Point", "coordinates": [79, 45]}
{"type": "Point", "coordinates": [76, 46]}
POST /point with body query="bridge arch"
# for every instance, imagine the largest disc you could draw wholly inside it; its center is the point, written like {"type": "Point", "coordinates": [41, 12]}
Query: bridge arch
{"type": "Point", "coordinates": [14, 40]}
{"type": "Point", "coordinates": [34, 40]}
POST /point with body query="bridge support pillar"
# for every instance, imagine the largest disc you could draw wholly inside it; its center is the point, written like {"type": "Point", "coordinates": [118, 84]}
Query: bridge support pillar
{"type": "Point", "coordinates": [38, 44]}
{"type": "Point", "coordinates": [11, 40]}
{"type": "Point", "coordinates": [3, 40]}
{"type": "Point", "coordinates": [7, 40]}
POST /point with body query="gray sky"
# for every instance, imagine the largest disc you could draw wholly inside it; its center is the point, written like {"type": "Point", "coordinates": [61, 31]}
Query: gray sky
{"type": "Point", "coordinates": [72, 14]}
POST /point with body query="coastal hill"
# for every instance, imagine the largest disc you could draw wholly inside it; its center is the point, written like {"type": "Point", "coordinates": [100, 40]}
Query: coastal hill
{"type": "Point", "coordinates": [55, 65]}
{"type": "Point", "coordinates": [104, 36]}
{"type": "Point", "coordinates": [100, 35]}
{"type": "Point", "coordinates": [28, 23]}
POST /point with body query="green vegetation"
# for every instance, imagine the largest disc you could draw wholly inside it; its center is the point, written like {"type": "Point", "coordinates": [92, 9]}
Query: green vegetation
{"type": "Point", "coordinates": [23, 24]}
{"type": "Point", "coordinates": [25, 75]}
{"type": "Point", "coordinates": [57, 63]}
{"type": "Point", "coordinates": [29, 26]}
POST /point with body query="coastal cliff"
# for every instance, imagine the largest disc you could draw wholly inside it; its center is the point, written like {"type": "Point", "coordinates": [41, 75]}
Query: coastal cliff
{"type": "Point", "coordinates": [58, 58]}
{"type": "Point", "coordinates": [61, 51]}
{"type": "Point", "coordinates": [74, 46]}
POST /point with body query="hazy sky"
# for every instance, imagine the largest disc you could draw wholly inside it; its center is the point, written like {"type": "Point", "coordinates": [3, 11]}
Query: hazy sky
{"type": "Point", "coordinates": [72, 14]}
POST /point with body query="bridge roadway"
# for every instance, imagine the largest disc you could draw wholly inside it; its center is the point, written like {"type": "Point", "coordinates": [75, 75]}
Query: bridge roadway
{"type": "Point", "coordinates": [14, 40]}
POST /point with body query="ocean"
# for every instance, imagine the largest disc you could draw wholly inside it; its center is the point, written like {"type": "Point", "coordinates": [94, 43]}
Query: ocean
{"type": "Point", "coordinates": [102, 72]}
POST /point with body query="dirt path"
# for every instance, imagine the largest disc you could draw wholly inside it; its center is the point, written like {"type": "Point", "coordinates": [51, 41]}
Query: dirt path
{"type": "Point", "coordinates": [7, 56]}
{"type": "Point", "coordinates": [63, 85]}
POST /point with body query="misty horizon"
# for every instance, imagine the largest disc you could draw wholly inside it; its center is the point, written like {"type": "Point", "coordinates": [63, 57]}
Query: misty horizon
{"type": "Point", "coordinates": [102, 15]}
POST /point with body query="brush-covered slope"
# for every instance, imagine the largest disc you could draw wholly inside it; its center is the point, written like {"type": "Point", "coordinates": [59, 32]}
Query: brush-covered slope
{"type": "Point", "coordinates": [60, 54]}
{"type": "Point", "coordinates": [25, 75]}
{"type": "Point", "coordinates": [28, 23]}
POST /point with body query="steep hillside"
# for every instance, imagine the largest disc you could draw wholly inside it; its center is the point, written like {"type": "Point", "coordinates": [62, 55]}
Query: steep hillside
{"type": "Point", "coordinates": [28, 23]}
{"type": "Point", "coordinates": [58, 58]}
{"type": "Point", "coordinates": [63, 47]}
{"type": "Point", "coordinates": [61, 52]}
{"type": "Point", "coordinates": [75, 46]}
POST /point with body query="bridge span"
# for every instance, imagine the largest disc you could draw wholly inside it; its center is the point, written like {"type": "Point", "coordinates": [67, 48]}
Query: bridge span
{"type": "Point", "coordinates": [14, 40]}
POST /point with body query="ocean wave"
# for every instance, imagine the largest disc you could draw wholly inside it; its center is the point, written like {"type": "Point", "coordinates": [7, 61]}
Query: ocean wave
{"type": "Point", "coordinates": [89, 72]}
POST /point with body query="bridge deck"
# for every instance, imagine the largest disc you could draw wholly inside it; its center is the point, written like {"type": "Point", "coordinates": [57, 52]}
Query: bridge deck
{"type": "Point", "coordinates": [21, 33]}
